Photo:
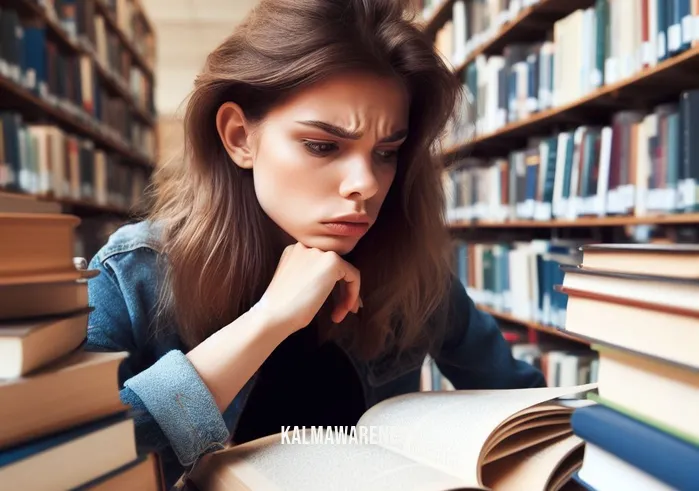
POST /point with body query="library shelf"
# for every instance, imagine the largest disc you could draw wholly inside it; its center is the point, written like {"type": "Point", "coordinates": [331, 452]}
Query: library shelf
{"type": "Point", "coordinates": [119, 88]}
{"type": "Point", "coordinates": [137, 55]}
{"type": "Point", "coordinates": [529, 324]}
{"type": "Point", "coordinates": [438, 17]}
{"type": "Point", "coordinates": [57, 32]}
{"type": "Point", "coordinates": [611, 221]}
{"type": "Point", "coordinates": [644, 89]}
{"type": "Point", "coordinates": [142, 13]}
{"type": "Point", "coordinates": [28, 103]}
{"type": "Point", "coordinates": [531, 23]}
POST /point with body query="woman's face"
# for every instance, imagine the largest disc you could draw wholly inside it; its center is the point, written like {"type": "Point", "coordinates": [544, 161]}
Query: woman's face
{"type": "Point", "coordinates": [324, 160]}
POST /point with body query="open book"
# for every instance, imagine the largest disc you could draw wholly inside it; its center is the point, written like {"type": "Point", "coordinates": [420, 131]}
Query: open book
{"type": "Point", "coordinates": [431, 441]}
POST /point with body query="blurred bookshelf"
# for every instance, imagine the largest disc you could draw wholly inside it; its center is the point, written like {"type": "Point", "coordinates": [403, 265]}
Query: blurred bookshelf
{"type": "Point", "coordinates": [580, 123]}
{"type": "Point", "coordinates": [77, 110]}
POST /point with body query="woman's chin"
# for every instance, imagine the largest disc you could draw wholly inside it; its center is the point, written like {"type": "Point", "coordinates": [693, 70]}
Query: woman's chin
{"type": "Point", "coordinates": [338, 244]}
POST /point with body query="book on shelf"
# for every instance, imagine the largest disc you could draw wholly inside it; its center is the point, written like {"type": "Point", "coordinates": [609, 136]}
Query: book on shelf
{"type": "Point", "coordinates": [475, 23]}
{"type": "Point", "coordinates": [59, 57]}
{"type": "Point", "coordinates": [593, 47]}
{"type": "Point", "coordinates": [62, 422]}
{"type": "Point", "coordinates": [641, 164]}
{"type": "Point", "coordinates": [641, 317]}
{"type": "Point", "coordinates": [517, 278]}
{"type": "Point", "coordinates": [46, 161]}
{"type": "Point", "coordinates": [560, 367]}
{"type": "Point", "coordinates": [443, 440]}
{"type": "Point", "coordinates": [431, 378]}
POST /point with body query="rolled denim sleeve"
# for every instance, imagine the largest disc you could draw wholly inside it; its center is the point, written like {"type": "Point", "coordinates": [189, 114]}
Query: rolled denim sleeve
{"type": "Point", "coordinates": [174, 408]}
{"type": "Point", "coordinates": [475, 354]}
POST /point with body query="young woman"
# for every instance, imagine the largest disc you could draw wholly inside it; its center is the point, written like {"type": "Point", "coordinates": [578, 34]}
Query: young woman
{"type": "Point", "coordinates": [295, 269]}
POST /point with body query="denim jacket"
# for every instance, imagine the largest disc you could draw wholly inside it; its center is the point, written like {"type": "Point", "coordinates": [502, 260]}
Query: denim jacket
{"type": "Point", "coordinates": [176, 415]}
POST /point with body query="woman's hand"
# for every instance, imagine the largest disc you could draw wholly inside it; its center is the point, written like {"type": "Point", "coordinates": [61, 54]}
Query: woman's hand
{"type": "Point", "coordinates": [303, 281]}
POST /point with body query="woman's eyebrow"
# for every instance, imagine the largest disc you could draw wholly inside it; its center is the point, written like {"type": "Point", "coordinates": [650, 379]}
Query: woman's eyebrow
{"type": "Point", "coordinates": [333, 130]}
{"type": "Point", "coordinates": [346, 134]}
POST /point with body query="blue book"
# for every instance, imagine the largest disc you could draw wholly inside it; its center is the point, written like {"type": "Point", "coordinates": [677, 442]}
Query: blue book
{"type": "Point", "coordinates": [35, 58]}
{"type": "Point", "coordinates": [668, 459]}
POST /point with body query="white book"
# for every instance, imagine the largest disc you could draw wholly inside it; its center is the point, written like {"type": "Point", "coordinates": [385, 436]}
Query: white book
{"type": "Point", "coordinates": [459, 31]}
{"type": "Point", "coordinates": [603, 470]}
{"type": "Point", "coordinates": [605, 156]}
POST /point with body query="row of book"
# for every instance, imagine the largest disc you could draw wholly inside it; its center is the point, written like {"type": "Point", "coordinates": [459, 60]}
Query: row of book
{"type": "Point", "coordinates": [73, 82]}
{"type": "Point", "coordinates": [83, 22]}
{"type": "Point", "coordinates": [560, 367]}
{"type": "Point", "coordinates": [636, 306]}
{"type": "Point", "coordinates": [44, 160]}
{"type": "Point", "coordinates": [584, 51]}
{"type": "Point", "coordinates": [488, 273]}
{"type": "Point", "coordinates": [641, 164]}
{"type": "Point", "coordinates": [62, 423]}
{"type": "Point", "coordinates": [473, 23]}
{"type": "Point", "coordinates": [130, 20]}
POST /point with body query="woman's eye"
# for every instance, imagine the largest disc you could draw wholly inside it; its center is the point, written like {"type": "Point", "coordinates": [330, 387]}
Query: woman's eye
{"type": "Point", "coordinates": [320, 148]}
{"type": "Point", "coordinates": [387, 155]}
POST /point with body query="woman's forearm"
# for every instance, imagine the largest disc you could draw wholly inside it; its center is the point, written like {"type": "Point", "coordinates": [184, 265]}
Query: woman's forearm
{"type": "Point", "coordinates": [226, 360]}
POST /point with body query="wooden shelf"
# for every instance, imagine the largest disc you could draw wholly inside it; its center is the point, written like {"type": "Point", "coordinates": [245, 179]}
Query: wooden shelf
{"type": "Point", "coordinates": [111, 21]}
{"type": "Point", "coordinates": [531, 24]}
{"type": "Point", "coordinates": [29, 104]}
{"type": "Point", "coordinates": [582, 222]}
{"type": "Point", "coordinates": [439, 17]}
{"type": "Point", "coordinates": [643, 90]}
{"type": "Point", "coordinates": [530, 324]}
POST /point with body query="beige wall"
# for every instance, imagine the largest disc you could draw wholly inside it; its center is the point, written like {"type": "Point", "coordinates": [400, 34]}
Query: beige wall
{"type": "Point", "coordinates": [186, 31]}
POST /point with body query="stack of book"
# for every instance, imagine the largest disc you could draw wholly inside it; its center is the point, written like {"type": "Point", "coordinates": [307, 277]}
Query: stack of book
{"type": "Point", "coordinates": [637, 306]}
{"type": "Point", "coordinates": [62, 424]}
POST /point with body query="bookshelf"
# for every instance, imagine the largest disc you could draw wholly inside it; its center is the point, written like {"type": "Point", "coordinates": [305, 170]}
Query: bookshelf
{"type": "Point", "coordinates": [77, 106]}
{"type": "Point", "coordinates": [541, 73]}
{"type": "Point", "coordinates": [582, 222]}
{"type": "Point", "coordinates": [435, 13]}
{"type": "Point", "coordinates": [646, 88]}
{"type": "Point", "coordinates": [530, 22]}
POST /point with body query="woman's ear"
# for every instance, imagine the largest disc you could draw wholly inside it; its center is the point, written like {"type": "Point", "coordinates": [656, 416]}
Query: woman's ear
{"type": "Point", "coordinates": [234, 131]}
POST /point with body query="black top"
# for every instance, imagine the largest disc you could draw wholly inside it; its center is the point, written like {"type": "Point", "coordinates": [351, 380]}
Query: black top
{"type": "Point", "coordinates": [302, 383]}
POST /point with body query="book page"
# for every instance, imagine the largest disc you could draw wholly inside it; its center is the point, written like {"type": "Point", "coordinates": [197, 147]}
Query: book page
{"type": "Point", "coordinates": [271, 465]}
{"type": "Point", "coordinates": [447, 430]}
{"type": "Point", "coordinates": [534, 467]}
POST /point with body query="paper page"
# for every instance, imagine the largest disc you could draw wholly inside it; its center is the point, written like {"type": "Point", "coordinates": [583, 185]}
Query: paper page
{"type": "Point", "coordinates": [521, 425]}
{"type": "Point", "coordinates": [533, 468]}
{"type": "Point", "coordinates": [447, 430]}
{"type": "Point", "coordinates": [527, 438]}
{"type": "Point", "coordinates": [272, 465]}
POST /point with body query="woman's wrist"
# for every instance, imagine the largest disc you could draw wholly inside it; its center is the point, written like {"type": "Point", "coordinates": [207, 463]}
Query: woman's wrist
{"type": "Point", "coordinates": [262, 316]}
{"type": "Point", "coordinates": [228, 358]}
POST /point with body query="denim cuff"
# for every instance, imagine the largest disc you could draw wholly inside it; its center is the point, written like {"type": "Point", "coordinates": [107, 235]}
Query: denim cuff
{"type": "Point", "coordinates": [179, 401]}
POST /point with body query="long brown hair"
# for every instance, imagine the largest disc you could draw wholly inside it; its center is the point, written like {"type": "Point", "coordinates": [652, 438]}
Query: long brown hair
{"type": "Point", "coordinates": [217, 239]}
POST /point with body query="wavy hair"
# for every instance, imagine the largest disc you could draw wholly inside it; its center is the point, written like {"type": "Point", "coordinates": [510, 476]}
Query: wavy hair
{"type": "Point", "coordinates": [217, 239]}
